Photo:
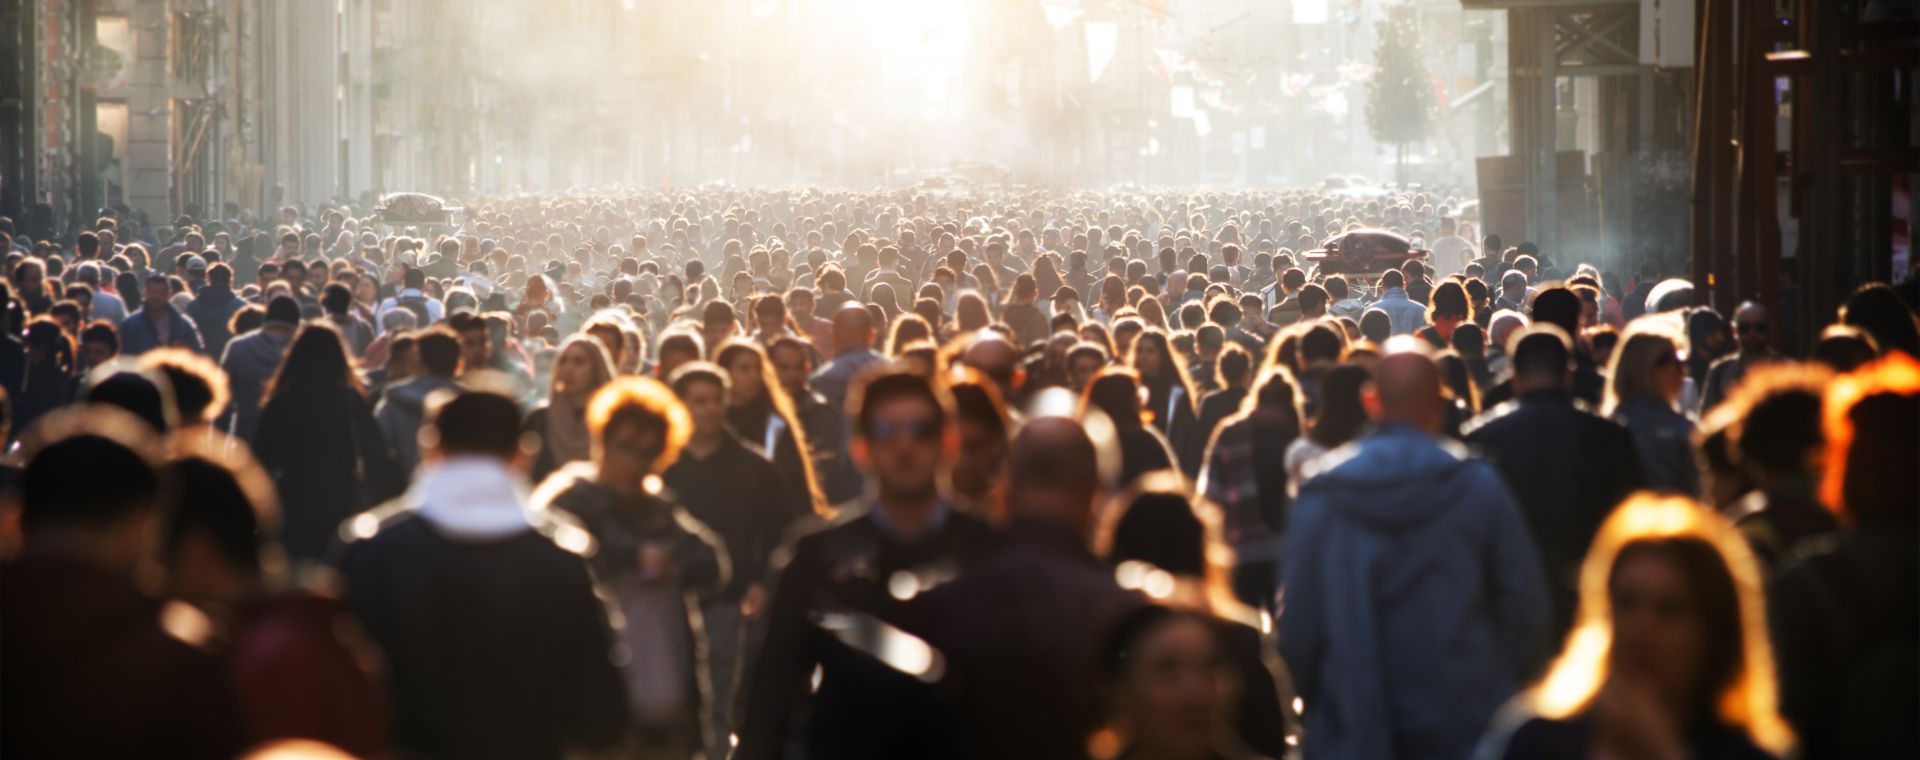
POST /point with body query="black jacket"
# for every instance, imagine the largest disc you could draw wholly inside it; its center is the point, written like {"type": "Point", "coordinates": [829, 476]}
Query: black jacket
{"type": "Point", "coordinates": [863, 708]}
{"type": "Point", "coordinates": [1020, 631]}
{"type": "Point", "coordinates": [740, 495]}
{"type": "Point", "coordinates": [1568, 468]}
{"type": "Point", "coordinates": [495, 647]}
{"type": "Point", "coordinates": [622, 528]}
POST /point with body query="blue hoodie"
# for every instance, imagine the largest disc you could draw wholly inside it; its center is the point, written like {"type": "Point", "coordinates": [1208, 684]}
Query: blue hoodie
{"type": "Point", "coordinates": [1413, 603]}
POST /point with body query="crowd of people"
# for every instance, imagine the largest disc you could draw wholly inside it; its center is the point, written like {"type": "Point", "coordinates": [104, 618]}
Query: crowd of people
{"type": "Point", "coordinates": [821, 474]}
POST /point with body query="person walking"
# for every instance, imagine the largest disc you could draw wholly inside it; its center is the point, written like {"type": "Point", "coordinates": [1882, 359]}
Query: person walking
{"type": "Point", "coordinates": [318, 439]}
{"type": "Point", "coordinates": [861, 708]}
{"type": "Point", "coordinates": [654, 558]}
{"type": "Point", "coordinates": [1414, 601]}
{"type": "Point", "coordinates": [496, 643]}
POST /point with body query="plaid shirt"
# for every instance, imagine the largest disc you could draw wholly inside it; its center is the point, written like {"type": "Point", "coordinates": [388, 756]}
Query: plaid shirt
{"type": "Point", "coordinates": [1231, 479]}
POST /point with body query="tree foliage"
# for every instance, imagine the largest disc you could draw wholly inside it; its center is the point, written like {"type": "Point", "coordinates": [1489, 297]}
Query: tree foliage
{"type": "Point", "coordinates": [1400, 101]}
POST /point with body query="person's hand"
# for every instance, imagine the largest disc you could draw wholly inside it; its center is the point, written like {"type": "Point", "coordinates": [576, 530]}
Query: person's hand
{"type": "Point", "coordinates": [753, 601]}
{"type": "Point", "coordinates": [655, 562]}
{"type": "Point", "coordinates": [1630, 720]}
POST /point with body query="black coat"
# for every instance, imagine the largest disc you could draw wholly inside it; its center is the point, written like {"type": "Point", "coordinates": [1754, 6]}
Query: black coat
{"type": "Point", "coordinates": [328, 461]}
{"type": "Point", "coordinates": [496, 648]}
{"type": "Point", "coordinates": [1020, 632]}
{"type": "Point", "coordinates": [1568, 468]}
{"type": "Point", "coordinates": [740, 495]}
{"type": "Point", "coordinates": [863, 708]}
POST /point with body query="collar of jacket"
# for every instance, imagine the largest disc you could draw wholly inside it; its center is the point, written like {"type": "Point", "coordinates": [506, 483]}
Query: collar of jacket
{"type": "Point", "coordinates": [471, 498]}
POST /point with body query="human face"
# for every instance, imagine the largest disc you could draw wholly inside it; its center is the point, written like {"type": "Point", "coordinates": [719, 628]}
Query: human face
{"type": "Point", "coordinates": [744, 372]}
{"type": "Point", "coordinates": [475, 349]}
{"type": "Point", "coordinates": [792, 366]}
{"type": "Point", "coordinates": [1669, 376]}
{"type": "Point", "coordinates": [1659, 637]}
{"type": "Point", "coordinates": [982, 452]}
{"type": "Point", "coordinates": [1173, 688]}
{"type": "Point", "coordinates": [1082, 370]}
{"type": "Point", "coordinates": [573, 374]}
{"type": "Point", "coordinates": [802, 307]}
{"type": "Point", "coordinates": [1751, 329]}
{"type": "Point", "coordinates": [1148, 358]}
{"type": "Point", "coordinates": [904, 447]}
{"type": "Point", "coordinates": [157, 292]}
{"type": "Point", "coordinates": [708, 406]}
{"type": "Point", "coordinates": [95, 353]}
{"type": "Point", "coordinates": [628, 454]}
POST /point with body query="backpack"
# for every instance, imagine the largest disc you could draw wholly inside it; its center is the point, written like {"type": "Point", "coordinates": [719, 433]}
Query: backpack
{"type": "Point", "coordinates": [417, 305]}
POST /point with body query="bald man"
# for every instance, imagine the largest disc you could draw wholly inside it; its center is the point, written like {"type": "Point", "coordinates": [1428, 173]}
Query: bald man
{"type": "Point", "coordinates": [1020, 631]}
{"type": "Point", "coordinates": [852, 352]}
{"type": "Point", "coordinates": [1413, 601]}
{"type": "Point", "coordinates": [1752, 331]}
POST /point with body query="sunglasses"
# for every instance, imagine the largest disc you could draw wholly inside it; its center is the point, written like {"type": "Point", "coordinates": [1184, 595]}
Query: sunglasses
{"type": "Point", "coordinates": [889, 431]}
{"type": "Point", "coordinates": [1753, 327]}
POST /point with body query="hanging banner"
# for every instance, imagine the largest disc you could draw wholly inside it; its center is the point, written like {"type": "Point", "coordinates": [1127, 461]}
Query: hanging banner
{"type": "Point", "coordinates": [1103, 38]}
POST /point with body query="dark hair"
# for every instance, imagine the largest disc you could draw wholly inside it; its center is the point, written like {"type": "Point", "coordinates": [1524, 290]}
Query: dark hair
{"type": "Point", "coordinates": [316, 363]}
{"type": "Point", "coordinates": [87, 479]}
{"type": "Point", "coordinates": [1874, 307]}
{"type": "Point", "coordinates": [1233, 363]}
{"type": "Point", "coordinates": [1376, 325]}
{"type": "Point", "coordinates": [1320, 342]}
{"type": "Point", "coordinates": [439, 350]}
{"type": "Point", "coordinates": [1544, 351]}
{"type": "Point", "coordinates": [886, 386]}
{"type": "Point", "coordinates": [220, 274]}
{"type": "Point", "coordinates": [336, 298]}
{"type": "Point", "coordinates": [686, 375]}
{"type": "Point", "coordinates": [1470, 339]}
{"type": "Point", "coordinates": [1336, 287]}
{"type": "Point", "coordinates": [1160, 529]}
{"type": "Point", "coordinates": [1116, 393]}
{"type": "Point", "coordinates": [209, 500]}
{"type": "Point", "coordinates": [1450, 300]}
{"type": "Point", "coordinates": [1392, 279]}
{"type": "Point", "coordinates": [475, 422]}
{"type": "Point", "coordinates": [1340, 415]}
{"type": "Point", "coordinates": [1557, 306]}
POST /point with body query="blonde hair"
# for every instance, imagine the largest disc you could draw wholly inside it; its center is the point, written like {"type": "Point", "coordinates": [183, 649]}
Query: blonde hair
{"type": "Point", "coordinates": [1747, 699]}
{"type": "Point", "coordinates": [1630, 374]}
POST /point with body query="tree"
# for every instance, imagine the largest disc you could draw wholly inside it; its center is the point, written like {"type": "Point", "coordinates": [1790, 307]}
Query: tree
{"type": "Point", "coordinates": [1400, 102]}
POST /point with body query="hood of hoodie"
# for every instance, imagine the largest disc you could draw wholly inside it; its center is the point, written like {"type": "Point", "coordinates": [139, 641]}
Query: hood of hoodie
{"type": "Point", "coordinates": [412, 393]}
{"type": "Point", "coordinates": [1395, 479]}
{"type": "Point", "coordinates": [262, 345]}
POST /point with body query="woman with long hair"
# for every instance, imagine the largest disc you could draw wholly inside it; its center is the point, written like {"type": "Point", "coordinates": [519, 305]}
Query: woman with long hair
{"type": "Point", "coordinates": [1115, 392]}
{"type": "Point", "coordinates": [1670, 656]}
{"type": "Point", "coordinates": [50, 376]}
{"type": "Point", "coordinates": [318, 439]}
{"type": "Point", "coordinates": [1253, 495]}
{"type": "Point", "coordinates": [1022, 316]}
{"type": "Point", "coordinates": [1156, 534]}
{"type": "Point", "coordinates": [761, 412]}
{"type": "Point", "coordinates": [1644, 382]}
{"type": "Point", "coordinates": [970, 313]}
{"type": "Point", "coordinates": [1340, 418]}
{"type": "Point", "coordinates": [580, 367]}
{"type": "Point", "coordinates": [1171, 399]}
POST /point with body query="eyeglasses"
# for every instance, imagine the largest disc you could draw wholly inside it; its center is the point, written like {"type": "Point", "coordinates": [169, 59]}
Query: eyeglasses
{"type": "Point", "coordinates": [889, 431]}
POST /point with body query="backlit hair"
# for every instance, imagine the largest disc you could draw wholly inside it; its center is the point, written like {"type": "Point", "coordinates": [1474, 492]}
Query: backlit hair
{"type": "Point", "coordinates": [645, 400]}
{"type": "Point", "coordinates": [1746, 697]}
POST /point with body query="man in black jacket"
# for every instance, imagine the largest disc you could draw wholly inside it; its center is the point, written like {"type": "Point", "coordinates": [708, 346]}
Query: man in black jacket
{"type": "Point", "coordinates": [1567, 466]}
{"type": "Point", "coordinates": [909, 537]}
{"type": "Point", "coordinates": [1019, 630]}
{"type": "Point", "coordinates": [496, 643]}
{"type": "Point", "coordinates": [740, 495]}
